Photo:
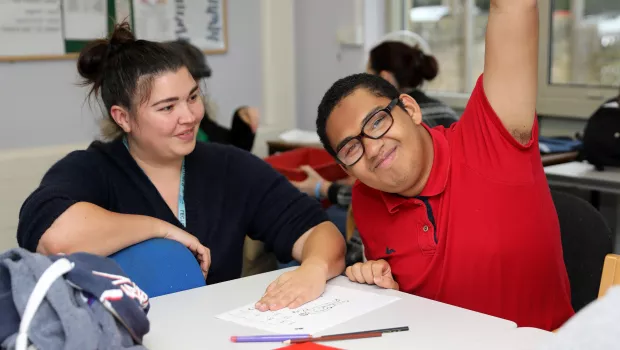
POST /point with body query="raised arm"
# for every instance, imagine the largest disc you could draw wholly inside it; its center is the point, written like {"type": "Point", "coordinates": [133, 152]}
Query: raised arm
{"type": "Point", "coordinates": [511, 64]}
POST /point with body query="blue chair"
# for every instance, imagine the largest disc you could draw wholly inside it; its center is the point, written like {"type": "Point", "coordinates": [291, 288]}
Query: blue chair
{"type": "Point", "coordinates": [160, 266]}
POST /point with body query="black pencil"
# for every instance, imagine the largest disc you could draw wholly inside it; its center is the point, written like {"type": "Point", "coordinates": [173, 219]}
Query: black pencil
{"type": "Point", "coordinates": [384, 330]}
{"type": "Point", "coordinates": [351, 335]}
{"type": "Point", "coordinates": [335, 337]}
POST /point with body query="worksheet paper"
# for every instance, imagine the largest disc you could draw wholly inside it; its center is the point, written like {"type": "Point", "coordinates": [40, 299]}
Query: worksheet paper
{"type": "Point", "coordinates": [335, 306]}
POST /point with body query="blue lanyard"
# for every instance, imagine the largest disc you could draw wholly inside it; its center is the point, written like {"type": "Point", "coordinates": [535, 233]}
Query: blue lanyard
{"type": "Point", "coordinates": [181, 204]}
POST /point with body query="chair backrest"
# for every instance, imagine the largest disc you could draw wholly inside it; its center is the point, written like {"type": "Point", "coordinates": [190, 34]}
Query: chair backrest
{"type": "Point", "coordinates": [350, 223]}
{"type": "Point", "coordinates": [586, 240]}
{"type": "Point", "coordinates": [160, 266]}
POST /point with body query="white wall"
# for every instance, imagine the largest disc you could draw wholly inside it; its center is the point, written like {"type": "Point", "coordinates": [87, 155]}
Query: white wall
{"type": "Point", "coordinates": [41, 104]}
{"type": "Point", "coordinates": [237, 77]}
{"type": "Point", "coordinates": [321, 60]}
{"type": "Point", "coordinates": [20, 173]}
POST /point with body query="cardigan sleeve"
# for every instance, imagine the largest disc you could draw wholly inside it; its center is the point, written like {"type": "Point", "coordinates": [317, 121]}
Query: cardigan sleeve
{"type": "Point", "coordinates": [73, 179]}
{"type": "Point", "coordinates": [278, 213]}
{"type": "Point", "coordinates": [241, 134]}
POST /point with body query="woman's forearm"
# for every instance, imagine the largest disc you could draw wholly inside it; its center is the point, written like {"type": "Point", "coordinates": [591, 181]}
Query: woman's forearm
{"type": "Point", "coordinates": [85, 227]}
{"type": "Point", "coordinates": [324, 247]}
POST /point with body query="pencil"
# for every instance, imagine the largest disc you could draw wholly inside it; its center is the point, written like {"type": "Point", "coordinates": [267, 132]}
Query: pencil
{"type": "Point", "coordinates": [334, 337]}
{"type": "Point", "coordinates": [267, 338]}
{"type": "Point", "coordinates": [384, 330]}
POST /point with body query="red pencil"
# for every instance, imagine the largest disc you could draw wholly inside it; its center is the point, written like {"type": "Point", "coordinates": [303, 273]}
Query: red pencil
{"type": "Point", "coordinates": [335, 337]}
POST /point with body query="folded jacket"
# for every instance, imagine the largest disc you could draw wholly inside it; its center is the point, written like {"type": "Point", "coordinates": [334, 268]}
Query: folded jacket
{"type": "Point", "coordinates": [93, 306]}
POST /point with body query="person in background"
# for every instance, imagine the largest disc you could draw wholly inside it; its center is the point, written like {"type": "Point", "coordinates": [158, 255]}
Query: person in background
{"type": "Point", "coordinates": [462, 215]}
{"type": "Point", "coordinates": [338, 193]}
{"type": "Point", "coordinates": [245, 119]}
{"type": "Point", "coordinates": [150, 181]}
{"type": "Point", "coordinates": [407, 68]}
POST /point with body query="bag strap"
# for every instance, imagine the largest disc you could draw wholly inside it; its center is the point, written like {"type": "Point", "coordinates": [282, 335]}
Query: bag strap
{"type": "Point", "coordinates": [51, 274]}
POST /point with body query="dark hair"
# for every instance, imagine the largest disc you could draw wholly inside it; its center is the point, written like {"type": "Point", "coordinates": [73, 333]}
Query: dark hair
{"type": "Point", "coordinates": [196, 63]}
{"type": "Point", "coordinates": [343, 88]}
{"type": "Point", "coordinates": [195, 59]}
{"type": "Point", "coordinates": [120, 69]}
{"type": "Point", "coordinates": [409, 64]}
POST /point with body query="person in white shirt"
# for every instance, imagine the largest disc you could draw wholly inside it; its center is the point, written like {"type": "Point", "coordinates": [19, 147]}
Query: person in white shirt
{"type": "Point", "coordinates": [596, 326]}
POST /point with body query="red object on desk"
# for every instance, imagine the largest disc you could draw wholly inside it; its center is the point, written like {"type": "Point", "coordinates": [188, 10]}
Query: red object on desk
{"type": "Point", "coordinates": [288, 163]}
{"type": "Point", "coordinates": [308, 346]}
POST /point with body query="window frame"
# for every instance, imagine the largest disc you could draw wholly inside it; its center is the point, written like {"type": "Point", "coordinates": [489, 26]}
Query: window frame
{"type": "Point", "coordinates": [563, 100]}
{"type": "Point", "coordinates": [553, 100]}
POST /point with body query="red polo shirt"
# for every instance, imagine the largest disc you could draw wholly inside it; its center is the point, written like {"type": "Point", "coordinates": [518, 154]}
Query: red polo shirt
{"type": "Point", "coordinates": [483, 234]}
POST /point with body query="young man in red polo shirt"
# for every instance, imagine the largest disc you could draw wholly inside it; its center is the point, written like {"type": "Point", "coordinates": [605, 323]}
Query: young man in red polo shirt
{"type": "Point", "coordinates": [460, 215]}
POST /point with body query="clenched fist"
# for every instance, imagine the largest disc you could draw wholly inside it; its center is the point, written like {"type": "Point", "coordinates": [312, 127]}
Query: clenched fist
{"type": "Point", "coordinates": [372, 272]}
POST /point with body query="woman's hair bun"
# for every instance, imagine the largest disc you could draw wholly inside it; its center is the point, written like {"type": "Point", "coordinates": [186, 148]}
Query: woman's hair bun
{"type": "Point", "coordinates": [94, 55]}
{"type": "Point", "coordinates": [121, 35]}
{"type": "Point", "coordinates": [429, 68]}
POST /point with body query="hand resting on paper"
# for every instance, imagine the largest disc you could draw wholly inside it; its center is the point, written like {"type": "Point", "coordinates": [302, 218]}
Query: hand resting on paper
{"type": "Point", "coordinates": [372, 272]}
{"type": "Point", "coordinates": [294, 288]}
{"type": "Point", "coordinates": [321, 252]}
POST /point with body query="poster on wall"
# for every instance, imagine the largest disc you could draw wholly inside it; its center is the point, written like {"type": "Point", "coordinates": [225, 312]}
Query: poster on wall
{"type": "Point", "coordinates": [202, 22]}
{"type": "Point", "coordinates": [123, 11]}
{"type": "Point", "coordinates": [31, 28]}
{"type": "Point", "coordinates": [84, 19]}
{"type": "Point", "coordinates": [154, 19]}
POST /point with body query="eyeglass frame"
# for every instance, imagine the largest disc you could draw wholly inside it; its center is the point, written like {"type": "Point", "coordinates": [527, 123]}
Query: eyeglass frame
{"type": "Point", "coordinates": [388, 109]}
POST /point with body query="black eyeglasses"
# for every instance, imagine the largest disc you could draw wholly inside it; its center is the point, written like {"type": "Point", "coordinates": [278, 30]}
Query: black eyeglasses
{"type": "Point", "coordinates": [377, 124]}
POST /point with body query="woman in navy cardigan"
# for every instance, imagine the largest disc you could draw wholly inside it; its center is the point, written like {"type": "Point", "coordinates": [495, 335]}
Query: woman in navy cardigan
{"type": "Point", "coordinates": [171, 211]}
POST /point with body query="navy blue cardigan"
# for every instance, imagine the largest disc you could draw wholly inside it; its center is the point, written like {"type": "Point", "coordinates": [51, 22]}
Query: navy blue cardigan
{"type": "Point", "coordinates": [228, 193]}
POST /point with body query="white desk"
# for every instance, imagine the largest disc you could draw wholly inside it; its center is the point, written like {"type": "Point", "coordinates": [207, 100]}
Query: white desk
{"type": "Point", "coordinates": [187, 320]}
{"type": "Point", "coordinates": [584, 176]}
{"type": "Point", "coordinates": [513, 339]}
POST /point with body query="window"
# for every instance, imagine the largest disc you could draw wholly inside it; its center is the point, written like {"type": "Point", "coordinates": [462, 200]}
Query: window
{"type": "Point", "coordinates": [579, 50]}
{"type": "Point", "coordinates": [461, 58]}
{"type": "Point", "coordinates": [585, 43]}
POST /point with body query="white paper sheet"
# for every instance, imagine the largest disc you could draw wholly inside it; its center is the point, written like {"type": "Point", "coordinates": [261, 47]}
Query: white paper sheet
{"type": "Point", "coordinates": [155, 19]}
{"type": "Point", "coordinates": [335, 306]}
{"type": "Point", "coordinates": [31, 28]}
{"type": "Point", "coordinates": [300, 136]}
{"type": "Point", "coordinates": [201, 22]}
{"type": "Point", "coordinates": [123, 10]}
{"type": "Point", "coordinates": [85, 19]}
